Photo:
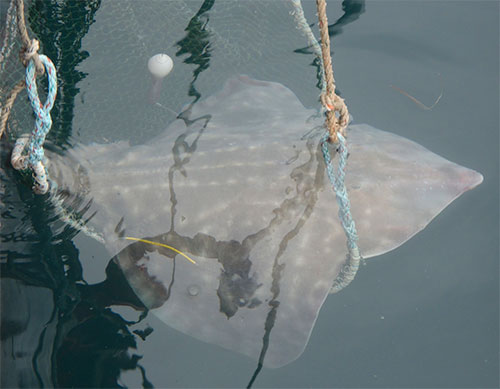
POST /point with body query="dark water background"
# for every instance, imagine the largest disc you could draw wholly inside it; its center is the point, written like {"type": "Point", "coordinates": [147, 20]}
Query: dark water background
{"type": "Point", "coordinates": [424, 315]}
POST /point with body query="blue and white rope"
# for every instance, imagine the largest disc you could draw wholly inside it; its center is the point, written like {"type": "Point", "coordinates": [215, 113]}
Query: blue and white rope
{"type": "Point", "coordinates": [351, 265]}
{"type": "Point", "coordinates": [34, 145]}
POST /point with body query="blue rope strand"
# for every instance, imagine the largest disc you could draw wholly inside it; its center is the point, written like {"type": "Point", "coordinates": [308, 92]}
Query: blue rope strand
{"type": "Point", "coordinates": [337, 181]}
{"type": "Point", "coordinates": [351, 265]}
{"type": "Point", "coordinates": [34, 145]}
{"type": "Point", "coordinates": [43, 121]}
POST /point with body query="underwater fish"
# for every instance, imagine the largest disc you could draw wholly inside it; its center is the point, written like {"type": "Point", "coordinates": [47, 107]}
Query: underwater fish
{"type": "Point", "coordinates": [238, 184]}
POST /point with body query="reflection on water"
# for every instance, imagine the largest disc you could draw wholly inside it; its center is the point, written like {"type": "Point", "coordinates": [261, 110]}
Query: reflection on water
{"type": "Point", "coordinates": [57, 330]}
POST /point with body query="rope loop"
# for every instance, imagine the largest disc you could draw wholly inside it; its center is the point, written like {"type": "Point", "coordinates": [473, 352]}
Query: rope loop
{"type": "Point", "coordinates": [34, 145]}
{"type": "Point", "coordinates": [337, 118]}
{"type": "Point", "coordinates": [337, 179]}
{"type": "Point", "coordinates": [338, 182]}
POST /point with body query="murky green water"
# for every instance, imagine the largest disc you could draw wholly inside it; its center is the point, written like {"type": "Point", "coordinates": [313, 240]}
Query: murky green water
{"type": "Point", "coordinates": [424, 315]}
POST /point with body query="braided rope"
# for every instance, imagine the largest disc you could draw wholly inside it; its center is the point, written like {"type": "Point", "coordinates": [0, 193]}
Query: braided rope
{"type": "Point", "coordinates": [333, 103]}
{"type": "Point", "coordinates": [335, 134]}
{"type": "Point", "coordinates": [350, 268]}
{"type": "Point", "coordinates": [29, 52]}
{"type": "Point", "coordinates": [35, 65]}
{"type": "Point", "coordinates": [30, 47]}
{"type": "Point", "coordinates": [303, 26]}
{"type": "Point", "coordinates": [43, 122]}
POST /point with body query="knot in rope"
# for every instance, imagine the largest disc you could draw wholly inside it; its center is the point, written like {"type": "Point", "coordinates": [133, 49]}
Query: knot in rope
{"type": "Point", "coordinates": [337, 114]}
{"type": "Point", "coordinates": [30, 52]}
{"type": "Point", "coordinates": [337, 118]}
{"type": "Point", "coordinates": [30, 48]}
{"type": "Point", "coordinates": [333, 104]}
{"type": "Point", "coordinates": [43, 122]}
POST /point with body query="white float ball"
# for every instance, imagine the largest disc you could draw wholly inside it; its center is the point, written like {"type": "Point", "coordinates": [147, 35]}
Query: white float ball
{"type": "Point", "coordinates": [160, 65]}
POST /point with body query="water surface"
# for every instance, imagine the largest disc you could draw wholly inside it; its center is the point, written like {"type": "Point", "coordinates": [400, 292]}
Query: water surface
{"type": "Point", "coordinates": [424, 315]}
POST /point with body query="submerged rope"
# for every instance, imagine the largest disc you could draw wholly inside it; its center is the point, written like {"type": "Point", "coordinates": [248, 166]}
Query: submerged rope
{"type": "Point", "coordinates": [28, 152]}
{"type": "Point", "coordinates": [337, 117]}
{"type": "Point", "coordinates": [351, 266]}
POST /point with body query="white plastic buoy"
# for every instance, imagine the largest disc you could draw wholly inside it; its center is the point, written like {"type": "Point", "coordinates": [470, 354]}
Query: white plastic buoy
{"type": "Point", "coordinates": [159, 65]}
